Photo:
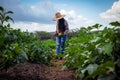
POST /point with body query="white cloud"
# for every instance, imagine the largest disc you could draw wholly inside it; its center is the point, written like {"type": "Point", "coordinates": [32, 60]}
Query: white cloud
{"type": "Point", "coordinates": [112, 14]}
{"type": "Point", "coordinates": [75, 20]}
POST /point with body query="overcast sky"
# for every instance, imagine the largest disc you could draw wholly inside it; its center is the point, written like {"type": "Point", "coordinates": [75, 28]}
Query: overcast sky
{"type": "Point", "coordinates": [36, 15]}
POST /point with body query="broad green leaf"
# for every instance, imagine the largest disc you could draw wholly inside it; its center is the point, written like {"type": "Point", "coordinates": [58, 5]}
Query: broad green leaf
{"type": "Point", "coordinates": [97, 26]}
{"type": "Point", "coordinates": [8, 18]}
{"type": "Point", "coordinates": [106, 77]}
{"type": "Point", "coordinates": [9, 12]}
{"type": "Point", "coordinates": [1, 8]}
{"type": "Point", "coordinates": [95, 40]}
{"type": "Point", "coordinates": [91, 68]}
{"type": "Point", "coordinates": [103, 68]}
{"type": "Point", "coordinates": [115, 23]}
{"type": "Point", "coordinates": [24, 55]}
{"type": "Point", "coordinates": [108, 48]}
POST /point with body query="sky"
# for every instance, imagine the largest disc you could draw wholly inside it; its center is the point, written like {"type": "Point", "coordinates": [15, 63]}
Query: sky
{"type": "Point", "coordinates": [36, 15]}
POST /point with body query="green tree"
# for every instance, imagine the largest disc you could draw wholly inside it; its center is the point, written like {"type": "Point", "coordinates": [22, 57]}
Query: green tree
{"type": "Point", "coordinates": [4, 16]}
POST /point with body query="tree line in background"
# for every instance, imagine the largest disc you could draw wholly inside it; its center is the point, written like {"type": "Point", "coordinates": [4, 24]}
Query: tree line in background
{"type": "Point", "coordinates": [43, 35]}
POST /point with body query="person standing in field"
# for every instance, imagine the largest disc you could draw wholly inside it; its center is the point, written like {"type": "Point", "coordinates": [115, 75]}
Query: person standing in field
{"type": "Point", "coordinates": [61, 32]}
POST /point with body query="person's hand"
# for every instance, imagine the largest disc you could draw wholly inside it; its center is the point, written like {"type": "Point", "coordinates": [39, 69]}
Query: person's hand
{"type": "Point", "coordinates": [64, 33]}
{"type": "Point", "coordinates": [55, 34]}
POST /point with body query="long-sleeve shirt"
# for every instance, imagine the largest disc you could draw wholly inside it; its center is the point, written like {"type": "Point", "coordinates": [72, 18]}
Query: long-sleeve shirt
{"type": "Point", "coordinates": [66, 27]}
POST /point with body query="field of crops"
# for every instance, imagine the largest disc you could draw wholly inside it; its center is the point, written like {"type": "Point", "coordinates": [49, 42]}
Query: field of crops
{"type": "Point", "coordinates": [94, 53]}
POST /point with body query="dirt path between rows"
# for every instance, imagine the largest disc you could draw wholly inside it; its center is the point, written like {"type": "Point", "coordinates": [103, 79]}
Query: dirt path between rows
{"type": "Point", "coordinates": [31, 71]}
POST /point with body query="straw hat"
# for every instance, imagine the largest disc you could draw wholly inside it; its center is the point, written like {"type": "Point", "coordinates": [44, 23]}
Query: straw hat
{"type": "Point", "coordinates": [58, 16]}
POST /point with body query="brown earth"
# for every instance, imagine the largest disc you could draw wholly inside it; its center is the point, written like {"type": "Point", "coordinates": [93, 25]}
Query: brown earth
{"type": "Point", "coordinates": [32, 71]}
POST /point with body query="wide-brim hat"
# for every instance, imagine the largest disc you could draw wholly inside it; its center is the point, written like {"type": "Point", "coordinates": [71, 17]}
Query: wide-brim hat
{"type": "Point", "coordinates": [58, 16]}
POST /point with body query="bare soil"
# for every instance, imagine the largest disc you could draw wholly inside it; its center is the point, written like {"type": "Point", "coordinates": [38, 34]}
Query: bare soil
{"type": "Point", "coordinates": [32, 71]}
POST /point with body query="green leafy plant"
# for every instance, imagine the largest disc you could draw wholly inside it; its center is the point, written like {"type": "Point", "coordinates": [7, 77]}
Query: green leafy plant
{"type": "Point", "coordinates": [4, 15]}
{"type": "Point", "coordinates": [17, 46]}
{"type": "Point", "coordinates": [93, 50]}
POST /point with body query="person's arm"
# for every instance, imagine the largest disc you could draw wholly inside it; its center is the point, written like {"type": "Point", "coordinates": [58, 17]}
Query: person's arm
{"type": "Point", "coordinates": [67, 27]}
{"type": "Point", "coordinates": [57, 30]}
